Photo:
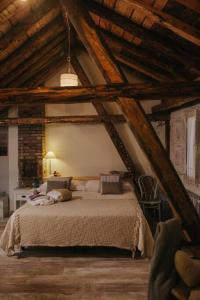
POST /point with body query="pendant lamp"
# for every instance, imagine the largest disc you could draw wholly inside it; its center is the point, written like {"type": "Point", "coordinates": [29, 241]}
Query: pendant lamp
{"type": "Point", "coordinates": [69, 78]}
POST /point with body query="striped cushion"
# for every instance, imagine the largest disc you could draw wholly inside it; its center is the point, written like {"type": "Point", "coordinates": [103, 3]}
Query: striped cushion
{"type": "Point", "coordinates": [110, 178]}
{"type": "Point", "coordinates": [110, 184]}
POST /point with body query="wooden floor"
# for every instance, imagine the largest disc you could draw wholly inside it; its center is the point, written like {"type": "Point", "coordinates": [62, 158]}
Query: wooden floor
{"type": "Point", "coordinates": [73, 275]}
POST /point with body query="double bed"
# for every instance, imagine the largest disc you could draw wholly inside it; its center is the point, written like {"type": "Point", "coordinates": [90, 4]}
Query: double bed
{"type": "Point", "coordinates": [89, 219]}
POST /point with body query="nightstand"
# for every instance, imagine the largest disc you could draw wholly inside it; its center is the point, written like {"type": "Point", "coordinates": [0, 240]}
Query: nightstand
{"type": "Point", "coordinates": [21, 195]}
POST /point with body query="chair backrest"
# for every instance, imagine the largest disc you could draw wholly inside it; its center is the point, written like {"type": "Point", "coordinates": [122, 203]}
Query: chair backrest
{"type": "Point", "coordinates": [148, 188]}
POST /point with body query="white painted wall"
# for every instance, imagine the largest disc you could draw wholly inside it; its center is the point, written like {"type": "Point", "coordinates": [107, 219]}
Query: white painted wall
{"type": "Point", "coordinates": [88, 150]}
{"type": "Point", "coordinates": [13, 157]}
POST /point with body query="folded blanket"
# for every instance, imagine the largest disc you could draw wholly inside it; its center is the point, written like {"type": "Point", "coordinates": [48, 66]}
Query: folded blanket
{"type": "Point", "coordinates": [52, 197]}
{"type": "Point", "coordinates": [55, 195]}
{"type": "Point", "coordinates": [42, 200]}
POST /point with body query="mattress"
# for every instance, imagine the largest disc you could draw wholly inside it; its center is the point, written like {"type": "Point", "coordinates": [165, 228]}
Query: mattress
{"type": "Point", "coordinates": [89, 219]}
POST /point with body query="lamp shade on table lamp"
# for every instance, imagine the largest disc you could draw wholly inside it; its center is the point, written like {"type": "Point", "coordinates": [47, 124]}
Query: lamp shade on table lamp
{"type": "Point", "coordinates": [50, 155]}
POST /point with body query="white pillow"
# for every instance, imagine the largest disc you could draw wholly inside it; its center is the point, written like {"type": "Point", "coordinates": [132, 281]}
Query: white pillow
{"type": "Point", "coordinates": [77, 185]}
{"type": "Point", "coordinates": [55, 196]}
{"type": "Point", "coordinates": [42, 188]}
{"type": "Point", "coordinates": [127, 186]}
{"type": "Point", "coordinates": [92, 186]}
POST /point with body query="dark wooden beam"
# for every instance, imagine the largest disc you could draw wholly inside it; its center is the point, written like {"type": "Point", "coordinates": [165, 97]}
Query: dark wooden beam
{"type": "Point", "coordinates": [107, 93]}
{"type": "Point", "coordinates": [110, 128]}
{"type": "Point", "coordinates": [162, 18]}
{"type": "Point", "coordinates": [158, 117]}
{"type": "Point", "coordinates": [19, 74]}
{"type": "Point", "coordinates": [4, 4]}
{"type": "Point", "coordinates": [167, 136]}
{"type": "Point", "coordinates": [150, 39]}
{"type": "Point", "coordinates": [161, 69]}
{"type": "Point", "coordinates": [192, 4]}
{"type": "Point", "coordinates": [28, 27]}
{"type": "Point", "coordinates": [136, 119]}
{"type": "Point", "coordinates": [34, 44]}
{"type": "Point", "coordinates": [139, 66]}
{"type": "Point", "coordinates": [173, 105]}
{"type": "Point", "coordinates": [79, 120]}
{"type": "Point", "coordinates": [56, 52]}
{"type": "Point", "coordinates": [47, 70]}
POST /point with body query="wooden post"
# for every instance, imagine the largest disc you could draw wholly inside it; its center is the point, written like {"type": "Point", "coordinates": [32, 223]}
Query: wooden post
{"type": "Point", "coordinates": [136, 118]}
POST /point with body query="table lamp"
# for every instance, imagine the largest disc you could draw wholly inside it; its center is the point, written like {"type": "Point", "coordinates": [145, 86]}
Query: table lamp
{"type": "Point", "coordinates": [50, 155]}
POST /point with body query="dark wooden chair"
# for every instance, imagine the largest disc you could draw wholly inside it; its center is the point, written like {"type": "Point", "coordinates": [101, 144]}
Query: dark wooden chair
{"type": "Point", "coordinates": [149, 194]}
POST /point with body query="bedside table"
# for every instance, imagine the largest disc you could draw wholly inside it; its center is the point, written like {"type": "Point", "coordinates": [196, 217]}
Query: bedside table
{"type": "Point", "coordinates": [21, 195]}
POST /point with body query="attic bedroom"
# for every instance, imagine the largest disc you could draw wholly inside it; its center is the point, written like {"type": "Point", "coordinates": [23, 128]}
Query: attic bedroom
{"type": "Point", "coordinates": [100, 149]}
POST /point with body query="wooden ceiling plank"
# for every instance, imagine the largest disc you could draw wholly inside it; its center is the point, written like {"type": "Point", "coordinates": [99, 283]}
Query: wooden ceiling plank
{"type": "Point", "coordinates": [4, 4]}
{"type": "Point", "coordinates": [20, 33]}
{"type": "Point", "coordinates": [35, 68]}
{"type": "Point", "coordinates": [140, 67]}
{"type": "Point", "coordinates": [17, 11]}
{"type": "Point", "coordinates": [180, 28]}
{"type": "Point", "coordinates": [192, 4]}
{"type": "Point", "coordinates": [150, 39]}
{"type": "Point", "coordinates": [48, 69]}
{"type": "Point", "coordinates": [136, 119]}
{"type": "Point", "coordinates": [12, 79]}
{"type": "Point", "coordinates": [120, 46]}
{"type": "Point", "coordinates": [35, 43]}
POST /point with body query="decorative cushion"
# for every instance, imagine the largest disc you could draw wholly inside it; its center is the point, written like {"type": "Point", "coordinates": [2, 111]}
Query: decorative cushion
{"type": "Point", "coordinates": [42, 188]}
{"type": "Point", "coordinates": [110, 177]}
{"type": "Point", "coordinates": [77, 185]}
{"type": "Point", "coordinates": [58, 183]}
{"type": "Point", "coordinates": [188, 268]}
{"type": "Point", "coordinates": [127, 186]}
{"type": "Point", "coordinates": [111, 184]}
{"type": "Point", "coordinates": [66, 194]}
{"type": "Point", "coordinates": [111, 188]}
{"type": "Point", "coordinates": [92, 186]}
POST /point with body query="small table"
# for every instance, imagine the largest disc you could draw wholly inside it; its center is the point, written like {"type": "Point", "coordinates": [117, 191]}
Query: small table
{"type": "Point", "coordinates": [21, 195]}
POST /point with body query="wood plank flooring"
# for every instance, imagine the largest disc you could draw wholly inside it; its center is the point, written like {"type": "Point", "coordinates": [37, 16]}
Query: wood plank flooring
{"type": "Point", "coordinates": [73, 274]}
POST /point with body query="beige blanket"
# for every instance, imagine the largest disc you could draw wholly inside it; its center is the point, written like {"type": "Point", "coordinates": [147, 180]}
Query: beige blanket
{"type": "Point", "coordinates": [90, 219]}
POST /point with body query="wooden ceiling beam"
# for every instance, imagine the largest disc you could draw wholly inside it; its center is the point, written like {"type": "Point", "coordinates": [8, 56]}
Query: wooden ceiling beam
{"type": "Point", "coordinates": [135, 116]}
{"type": "Point", "coordinates": [192, 4]}
{"type": "Point", "coordinates": [55, 52]}
{"type": "Point", "coordinates": [123, 47]}
{"type": "Point", "coordinates": [139, 91]}
{"type": "Point", "coordinates": [48, 69]}
{"type": "Point", "coordinates": [150, 39]}
{"type": "Point", "coordinates": [170, 105]}
{"type": "Point", "coordinates": [139, 66]}
{"type": "Point", "coordinates": [162, 18]}
{"type": "Point", "coordinates": [16, 12]}
{"type": "Point", "coordinates": [30, 47]}
{"type": "Point", "coordinates": [79, 120]}
{"type": "Point", "coordinates": [4, 4]}
{"type": "Point", "coordinates": [27, 28]}
{"type": "Point", "coordinates": [14, 78]}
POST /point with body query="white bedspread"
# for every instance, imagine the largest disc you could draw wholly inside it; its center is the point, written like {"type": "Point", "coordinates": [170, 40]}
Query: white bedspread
{"type": "Point", "coordinates": [89, 219]}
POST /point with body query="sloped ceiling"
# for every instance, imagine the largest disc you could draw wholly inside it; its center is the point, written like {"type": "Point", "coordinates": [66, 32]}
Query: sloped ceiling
{"type": "Point", "coordinates": [33, 38]}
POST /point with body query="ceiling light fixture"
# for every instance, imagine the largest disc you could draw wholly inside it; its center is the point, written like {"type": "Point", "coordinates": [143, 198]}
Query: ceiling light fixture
{"type": "Point", "coordinates": [69, 78]}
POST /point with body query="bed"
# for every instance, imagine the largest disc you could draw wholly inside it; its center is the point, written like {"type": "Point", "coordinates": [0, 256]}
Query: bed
{"type": "Point", "coordinates": [89, 219]}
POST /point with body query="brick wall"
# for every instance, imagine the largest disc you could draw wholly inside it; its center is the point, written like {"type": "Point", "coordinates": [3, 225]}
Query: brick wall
{"type": "Point", "coordinates": [31, 146]}
{"type": "Point", "coordinates": [3, 141]}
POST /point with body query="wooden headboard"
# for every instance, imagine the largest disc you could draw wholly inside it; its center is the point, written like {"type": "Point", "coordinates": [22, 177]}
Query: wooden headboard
{"type": "Point", "coordinates": [86, 178]}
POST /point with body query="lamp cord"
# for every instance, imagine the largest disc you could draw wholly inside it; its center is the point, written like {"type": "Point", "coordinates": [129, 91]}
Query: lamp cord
{"type": "Point", "coordinates": [69, 43]}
